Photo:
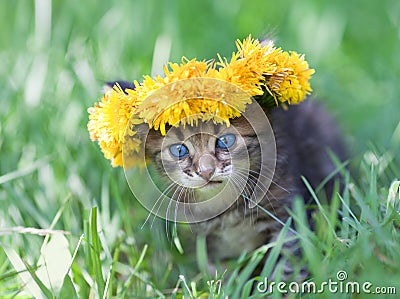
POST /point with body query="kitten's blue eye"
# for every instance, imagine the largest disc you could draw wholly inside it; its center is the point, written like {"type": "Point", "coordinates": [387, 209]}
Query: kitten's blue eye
{"type": "Point", "coordinates": [226, 141]}
{"type": "Point", "coordinates": [178, 150]}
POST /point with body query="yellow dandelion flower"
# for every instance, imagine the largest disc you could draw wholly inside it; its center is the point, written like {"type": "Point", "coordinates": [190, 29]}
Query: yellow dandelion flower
{"type": "Point", "coordinates": [249, 66]}
{"type": "Point", "coordinates": [290, 82]}
{"type": "Point", "coordinates": [108, 121]}
{"type": "Point", "coordinates": [194, 91]}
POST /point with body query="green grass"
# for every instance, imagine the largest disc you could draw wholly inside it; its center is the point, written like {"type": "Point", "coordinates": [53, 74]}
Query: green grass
{"type": "Point", "coordinates": [52, 177]}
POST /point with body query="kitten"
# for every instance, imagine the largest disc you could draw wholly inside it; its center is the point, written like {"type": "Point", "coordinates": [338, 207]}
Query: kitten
{"type": "Point", "coordinates": [205, 158]}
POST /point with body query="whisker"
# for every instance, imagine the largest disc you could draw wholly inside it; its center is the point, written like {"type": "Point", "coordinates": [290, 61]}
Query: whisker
{"type": "Point", "coordinates": [187, 194]}
{"type": "Point", "coordinates": [241, 176]}
{"type": "Point", "coordinates": [166, 196]}
{"type": "Point", "coordinates": [168, 207]}
{"type": "Point", "coordinates": [246, 192]}
{"type": "Point", "coordinates": [177, 205]}
{"type": "Point", "coordinates": [274, 217]}
{"type": "Point", "coordinates": [242, 185]}
{"type": "Point", "coordinates": [190, 192]}
{"type": "Point", "coordinates": [251, 171]}
{"type": "Point", "coordinates": [162, 195]}
{"type": "Point", "coordinates": [253, 179]}
{"type": "Point", "coordinates": [276, 184]}
{"type": "Point", "coordinates": [257, 185]}
{"type": "Point", "coordinates": [236, 183]}
{"type": "Point", "coordinates": [262, 175]}
{"type": "Point", "coordinates": [184, 203]}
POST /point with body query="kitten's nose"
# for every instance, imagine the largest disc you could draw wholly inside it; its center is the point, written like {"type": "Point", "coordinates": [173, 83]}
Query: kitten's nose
{"type": "Point", "coordinates": [206, 167]}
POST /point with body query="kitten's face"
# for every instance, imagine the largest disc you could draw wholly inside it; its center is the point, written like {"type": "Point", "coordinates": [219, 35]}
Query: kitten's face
{"type": "Point", "coordinates": [206, 157]}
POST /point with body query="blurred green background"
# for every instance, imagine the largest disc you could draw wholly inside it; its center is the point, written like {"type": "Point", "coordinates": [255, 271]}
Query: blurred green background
{"type": "Point", "coordinates": [54, 56]}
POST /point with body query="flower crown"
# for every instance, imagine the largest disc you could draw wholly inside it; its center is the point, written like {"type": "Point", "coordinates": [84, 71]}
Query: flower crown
{"type": "Point", "coordinates": [269, 74]}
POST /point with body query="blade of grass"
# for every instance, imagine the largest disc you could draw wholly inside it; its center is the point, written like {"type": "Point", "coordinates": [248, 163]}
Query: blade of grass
{"type": "Point", "coordinates": [107, 285]}
{"type": "Point", "coordinates": [117, 251]}
{"type": "Point", "coordinates": [95, 253]}
{"type": "Point", "coordinates": [234, 274]}
{"type": "Point", "coordinates": [134, 273]}
{"type": "Point", "coordinates": [67, 290]}
{"type": "Point", "coordinates": [307, 237]}
{"type": "Point", "coordinates": [246, 272]}
{"type": "Point", "coordinates": [392, 203]}
{"type": "Point", "coordinates": [56, 218]}
{"type": "Point", "coordinates": [30, 285]}
{"type": "Point", "coordinates": [341, 167]}
{"type": "Point", "coordinates": [47, 293]}
{"type": "Point", "coordinates": [276, 250]}
{"type": "Point", "coordinates": [54, 262]}
{"type": "Point", "coordinates": [68, 286]}
{"type": "Point", "coordinates": [320, 207]}
{"type": "Point", "coordinates": [202, 259]}
{"type": "Point", "coordinates": [345, 200]}
{"type": "Point", "coordinates": [23, 172]}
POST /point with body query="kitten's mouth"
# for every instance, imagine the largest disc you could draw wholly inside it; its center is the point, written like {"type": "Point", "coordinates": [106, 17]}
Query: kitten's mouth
{"type": "Point", "coordinates": [213, 182]}
{"type": "Point", "coordinates": [208, 186]}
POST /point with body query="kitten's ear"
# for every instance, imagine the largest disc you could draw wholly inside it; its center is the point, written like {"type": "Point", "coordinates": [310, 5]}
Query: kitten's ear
{"type": "Point", "coordinates": [123, 84]}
